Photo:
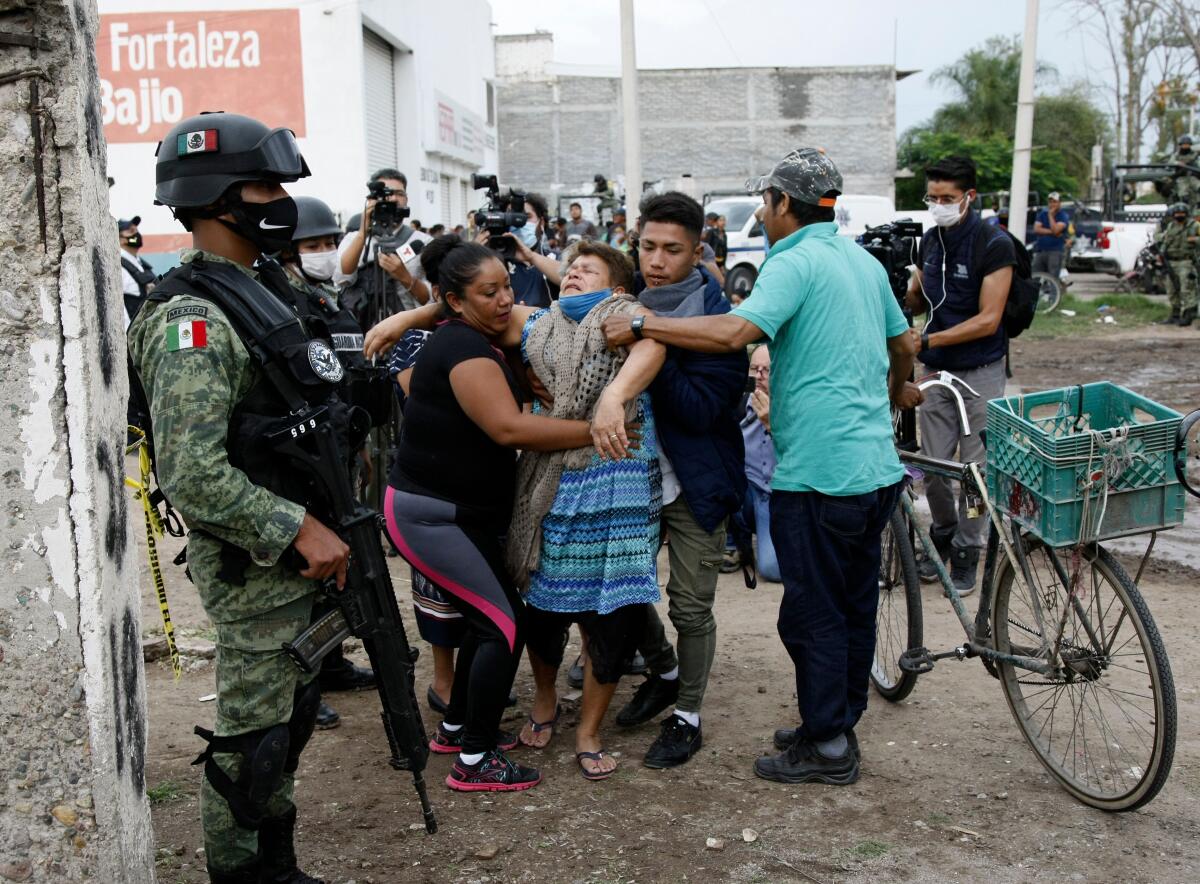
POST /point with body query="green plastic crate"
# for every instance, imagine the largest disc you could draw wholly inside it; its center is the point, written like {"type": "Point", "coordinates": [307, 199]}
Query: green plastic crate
{"type": "Point", "coordinates": [1042, 453]}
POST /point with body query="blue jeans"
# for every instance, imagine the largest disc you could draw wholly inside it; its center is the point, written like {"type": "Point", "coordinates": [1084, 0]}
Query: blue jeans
{"type": "Point", "coordinates": [756, 510]}
{"type": "Point", "coordinates": [829, 552]}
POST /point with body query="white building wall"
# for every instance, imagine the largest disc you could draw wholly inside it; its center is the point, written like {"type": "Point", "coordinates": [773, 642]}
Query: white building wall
{"type": "Point", "coordinates": [439, 50]}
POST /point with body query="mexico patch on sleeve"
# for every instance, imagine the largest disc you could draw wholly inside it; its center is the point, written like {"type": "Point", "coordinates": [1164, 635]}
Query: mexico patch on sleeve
{"type": "Point", "coordinates": [187, 335]}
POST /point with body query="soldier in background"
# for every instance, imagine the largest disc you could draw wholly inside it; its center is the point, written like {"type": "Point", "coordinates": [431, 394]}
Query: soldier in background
{"type": "Point", "coordinates": [1187, 180]}
{"type": "Point", "coordinates": [255, 553]}
{"type": "Point", "coordinates": [1179, 241]}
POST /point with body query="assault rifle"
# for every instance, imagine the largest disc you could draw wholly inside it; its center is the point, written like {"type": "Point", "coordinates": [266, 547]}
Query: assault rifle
{"type": "Point", "coordinates": [367, 606]}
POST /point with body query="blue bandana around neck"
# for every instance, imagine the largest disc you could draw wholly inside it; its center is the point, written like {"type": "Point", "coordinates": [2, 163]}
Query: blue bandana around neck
{"type": "Point", "coordinates": [575, 307]}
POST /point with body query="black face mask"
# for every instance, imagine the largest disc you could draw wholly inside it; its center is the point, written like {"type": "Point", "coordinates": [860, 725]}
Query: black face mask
{"type": "Point", "coordinates": [270, 226]}
{"type": "Point", "coordinates": [1180, 219]}
{"type": "Point", "coordinates": [134, 241]}
{"type": "Point", "coordinates": [1185, 148]}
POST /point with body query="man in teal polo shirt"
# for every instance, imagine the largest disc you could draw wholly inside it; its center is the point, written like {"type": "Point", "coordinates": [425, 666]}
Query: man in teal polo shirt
{"type": "Point", "coordinates": [840, 355]}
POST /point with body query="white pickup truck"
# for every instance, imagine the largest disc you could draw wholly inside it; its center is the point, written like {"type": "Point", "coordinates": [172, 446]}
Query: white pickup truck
{"type": "Point", "coordinates": [853, 213]}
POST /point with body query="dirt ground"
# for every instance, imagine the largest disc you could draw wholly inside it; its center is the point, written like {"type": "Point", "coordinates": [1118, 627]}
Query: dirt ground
{"type": "Point", "coordinates": [949, 790]}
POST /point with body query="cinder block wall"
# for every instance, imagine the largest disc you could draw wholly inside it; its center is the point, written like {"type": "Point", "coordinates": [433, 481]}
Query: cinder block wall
{"type": "Point", "coordinates": [721, 125]}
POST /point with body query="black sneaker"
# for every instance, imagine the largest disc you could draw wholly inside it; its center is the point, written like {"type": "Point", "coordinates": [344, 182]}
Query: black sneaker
{"type": "Point", "coordinates": [445, 742]}
{"type": "Point", "coordinates": [327, 717]}
{"type": "Point", "coordinates": [802, 763]}
{"type": "Point", "coordinates": [493, 773]}
{"type": "Point", "coordinates": [785, 736]}
{"type": "Point", "coordinates": [653, 696]}
{"type": "Point", "coordinates": [927, 570]}
{"type": "Point", "coordinates": [964, 563]}
{"type": "Point", "coordinates": [676, 743]}
{"type": "Point", "coordinates": [575, 674]}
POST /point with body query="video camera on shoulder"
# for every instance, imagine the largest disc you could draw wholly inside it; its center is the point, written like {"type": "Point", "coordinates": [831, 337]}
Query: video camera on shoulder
{"type": "Point", "coordinates": [502, 213]}
{"type": "Point", "coordinates": [386, 215]}
{"type": "Point", "coordinates": [895, 247]}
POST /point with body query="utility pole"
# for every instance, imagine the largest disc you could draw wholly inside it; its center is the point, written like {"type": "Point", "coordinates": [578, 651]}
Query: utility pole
{"type": "Point", "coordinates": [629, 111]}
{"type": "Point", "coordinates": [1023, 139]}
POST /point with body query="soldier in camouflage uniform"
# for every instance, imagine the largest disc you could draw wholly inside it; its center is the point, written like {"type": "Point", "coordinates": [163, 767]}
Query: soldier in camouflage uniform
{"type": "Point", "coordinates": [1179, 240]}
{"type": "Point", "coordinates": [1187, 184]}
{"type": "Point", "coordinates": [254, 556]}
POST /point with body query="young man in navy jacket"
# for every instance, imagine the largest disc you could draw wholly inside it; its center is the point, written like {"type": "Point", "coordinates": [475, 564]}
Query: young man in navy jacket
{"type": "Point", "coordinates": [695, 399]}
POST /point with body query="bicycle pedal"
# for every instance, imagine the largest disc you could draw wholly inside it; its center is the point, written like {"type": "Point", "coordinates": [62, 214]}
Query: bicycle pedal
{"type": "Point", "coordinates": [917, 660]}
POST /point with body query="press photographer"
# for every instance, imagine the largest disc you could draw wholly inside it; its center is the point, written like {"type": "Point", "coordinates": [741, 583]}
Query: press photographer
{"type": "Point", "coordinates": [377, 266]}
{"type": "Point", "coordinates": [514, 225]}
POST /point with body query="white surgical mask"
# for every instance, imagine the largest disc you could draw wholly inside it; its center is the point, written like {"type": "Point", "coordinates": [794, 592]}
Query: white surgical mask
{"type": "Point", "coordinates": [946, 216]}
{"type": "Point", "coordinates": [319, 265]}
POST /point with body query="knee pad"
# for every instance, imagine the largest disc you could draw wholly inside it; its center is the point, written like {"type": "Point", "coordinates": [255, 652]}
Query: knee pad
{"type": "Point", "coordinates": [264, 754]}
{"type": "Point", "coordinates": [305, 703]}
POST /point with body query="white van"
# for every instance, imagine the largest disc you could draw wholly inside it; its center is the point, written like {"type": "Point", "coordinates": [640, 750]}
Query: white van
{"type": "Point", "coordinates": [853, 213]}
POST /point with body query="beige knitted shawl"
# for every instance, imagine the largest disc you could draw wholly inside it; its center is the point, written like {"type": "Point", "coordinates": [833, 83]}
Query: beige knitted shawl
{"type": "Point", "coordinates": [574, 363]}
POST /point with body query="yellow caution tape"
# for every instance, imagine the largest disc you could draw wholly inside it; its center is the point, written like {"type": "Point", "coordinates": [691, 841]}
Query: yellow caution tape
{"type": "Point", "coordinates": [154, 528]}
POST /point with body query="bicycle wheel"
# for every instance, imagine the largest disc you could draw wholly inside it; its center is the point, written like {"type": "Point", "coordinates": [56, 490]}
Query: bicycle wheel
{"type": "Point", "coordinates": [1104, 724]}
{"type": "Point", "coordinates": [1049, 292]}
{"type": "Point", "coordinates": [898, 622]}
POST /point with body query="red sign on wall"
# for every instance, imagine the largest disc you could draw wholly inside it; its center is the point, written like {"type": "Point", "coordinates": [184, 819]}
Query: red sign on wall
{"type": "Point", "coordinates": [156, 68]}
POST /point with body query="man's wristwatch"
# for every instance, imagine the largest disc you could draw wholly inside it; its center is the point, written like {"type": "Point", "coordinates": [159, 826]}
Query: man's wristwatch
{"type": "Point", "coordinates": [635, 326]}
{"type": "Point", "coordinates": [924, 341]}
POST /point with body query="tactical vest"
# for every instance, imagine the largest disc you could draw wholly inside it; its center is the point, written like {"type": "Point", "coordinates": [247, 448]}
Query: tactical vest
{"type": "Point", "coordinates": [286, 355]}
{"type": "Point", "coordinates": [366, 386]}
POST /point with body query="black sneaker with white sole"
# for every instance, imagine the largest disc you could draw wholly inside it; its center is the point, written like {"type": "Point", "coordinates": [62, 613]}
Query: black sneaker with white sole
{"type": "Point", "coordinates": [677, 742]}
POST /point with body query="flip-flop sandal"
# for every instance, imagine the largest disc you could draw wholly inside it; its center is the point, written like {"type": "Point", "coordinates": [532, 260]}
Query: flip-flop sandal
{"type": "Point", "coordinates": [593, 775]}
{"type": "Point", "coordinates": [538, 726]}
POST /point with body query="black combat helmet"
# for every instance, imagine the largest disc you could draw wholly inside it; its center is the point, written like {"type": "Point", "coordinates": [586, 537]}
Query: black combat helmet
{"type": "Point", "coordinates": [1184, 139]}
{"type": "Point", "coordinates": [1180, 209]}
{"type": "Point", "coordinates": [314, 218]}
{"type": "Point", "coordinates": [203, 156]}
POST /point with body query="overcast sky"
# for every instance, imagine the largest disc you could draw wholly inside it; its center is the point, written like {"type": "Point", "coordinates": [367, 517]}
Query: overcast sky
{"type": "Point", "coordinates": [802, 33]}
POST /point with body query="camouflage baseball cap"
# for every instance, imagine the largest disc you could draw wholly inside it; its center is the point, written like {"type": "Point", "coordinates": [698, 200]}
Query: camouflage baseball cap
{"type": "Point", "coordinates": [805, 174]}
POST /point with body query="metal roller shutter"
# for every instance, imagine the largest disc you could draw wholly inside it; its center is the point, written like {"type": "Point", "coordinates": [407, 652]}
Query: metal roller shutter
{"type": "Point", "coordinates": [444, 199]}
{"type": "Point", "coordinates": [379, 101]}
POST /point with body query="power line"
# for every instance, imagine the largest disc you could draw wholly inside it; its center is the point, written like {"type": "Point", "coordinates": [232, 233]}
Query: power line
{"type": "Point", "coordinates": [721, 30]}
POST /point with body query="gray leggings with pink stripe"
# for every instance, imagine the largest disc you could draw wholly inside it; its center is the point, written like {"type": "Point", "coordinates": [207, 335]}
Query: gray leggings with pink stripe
{"type": "Point", "coordinates": [466, 560]}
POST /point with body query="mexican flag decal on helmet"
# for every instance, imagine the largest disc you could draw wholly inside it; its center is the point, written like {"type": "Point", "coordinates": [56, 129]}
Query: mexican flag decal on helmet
{"type": "Point", "coordinates": [204, 141]}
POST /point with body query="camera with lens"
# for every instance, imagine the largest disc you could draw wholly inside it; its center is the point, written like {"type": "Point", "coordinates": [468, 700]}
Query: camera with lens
{"type": "Point", "coordinates": [386, 215]}
{"type": "Point", "coordinates": [895, 247]}
{"type": "Point", "coordinates": [502, 213]}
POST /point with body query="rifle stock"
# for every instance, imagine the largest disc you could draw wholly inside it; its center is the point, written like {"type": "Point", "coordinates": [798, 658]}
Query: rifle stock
{"type": "Point", "coordinates": [367, 606]}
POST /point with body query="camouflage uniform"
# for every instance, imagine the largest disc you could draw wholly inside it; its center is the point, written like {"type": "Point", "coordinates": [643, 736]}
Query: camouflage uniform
{"type": "Point", "coordinates": [192, 393]}
{"type": "Point", "coordinates": [1187, 185]}
{"type": "Point", "coordinates": [1180, 243]}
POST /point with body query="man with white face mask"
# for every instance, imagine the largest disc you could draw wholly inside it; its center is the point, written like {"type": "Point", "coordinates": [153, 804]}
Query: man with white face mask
{"type": "Point", "coordinates": [965, 271]}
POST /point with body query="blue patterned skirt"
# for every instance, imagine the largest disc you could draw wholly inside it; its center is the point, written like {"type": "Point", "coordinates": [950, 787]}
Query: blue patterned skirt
{"type": "Point", "coordinates": [600, 538]}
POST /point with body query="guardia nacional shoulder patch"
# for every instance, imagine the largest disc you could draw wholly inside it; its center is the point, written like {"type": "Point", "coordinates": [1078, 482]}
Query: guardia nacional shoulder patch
{"type": "Point", "coordinates": [187, 335]}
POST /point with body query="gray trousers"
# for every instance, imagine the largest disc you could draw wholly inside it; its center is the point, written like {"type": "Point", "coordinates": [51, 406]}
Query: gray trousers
{"type": "Point", "coordinates": [1048, 262]}
{"type": "Point", "coordinates": [942, 437]}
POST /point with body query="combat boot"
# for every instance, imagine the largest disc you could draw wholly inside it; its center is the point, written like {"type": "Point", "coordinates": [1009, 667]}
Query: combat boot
{"type": "Point", "coordinates": [1172, 319]}
{"type": "Point", "coordinates": [277, 852]}
{"type": "Point", "coordinates": [1187, 317]}
{"type": "Point", "coordinates": [247, 874]}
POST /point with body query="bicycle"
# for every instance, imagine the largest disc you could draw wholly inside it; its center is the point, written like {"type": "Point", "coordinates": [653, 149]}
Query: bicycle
{"type": "Point", "coordinates": [1065, 631]}
{"type": "Point", "coordinates": [1050, 291]}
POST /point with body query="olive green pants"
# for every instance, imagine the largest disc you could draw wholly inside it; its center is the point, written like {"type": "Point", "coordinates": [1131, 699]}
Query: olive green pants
{"type": "Point", "coordinates": [1181, 285]}
{"type": "Point", "coordinates": [695, 560]}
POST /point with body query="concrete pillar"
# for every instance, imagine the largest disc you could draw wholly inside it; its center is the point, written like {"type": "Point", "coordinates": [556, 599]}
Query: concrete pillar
{"type": "Point", "coordinates": [72, 688]}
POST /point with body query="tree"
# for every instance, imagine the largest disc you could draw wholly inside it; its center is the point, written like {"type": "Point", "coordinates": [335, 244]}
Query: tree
{"type": "Point", "coordinates": [993, 161]}
{"type": "Point", "coordinates": [979, 121]}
